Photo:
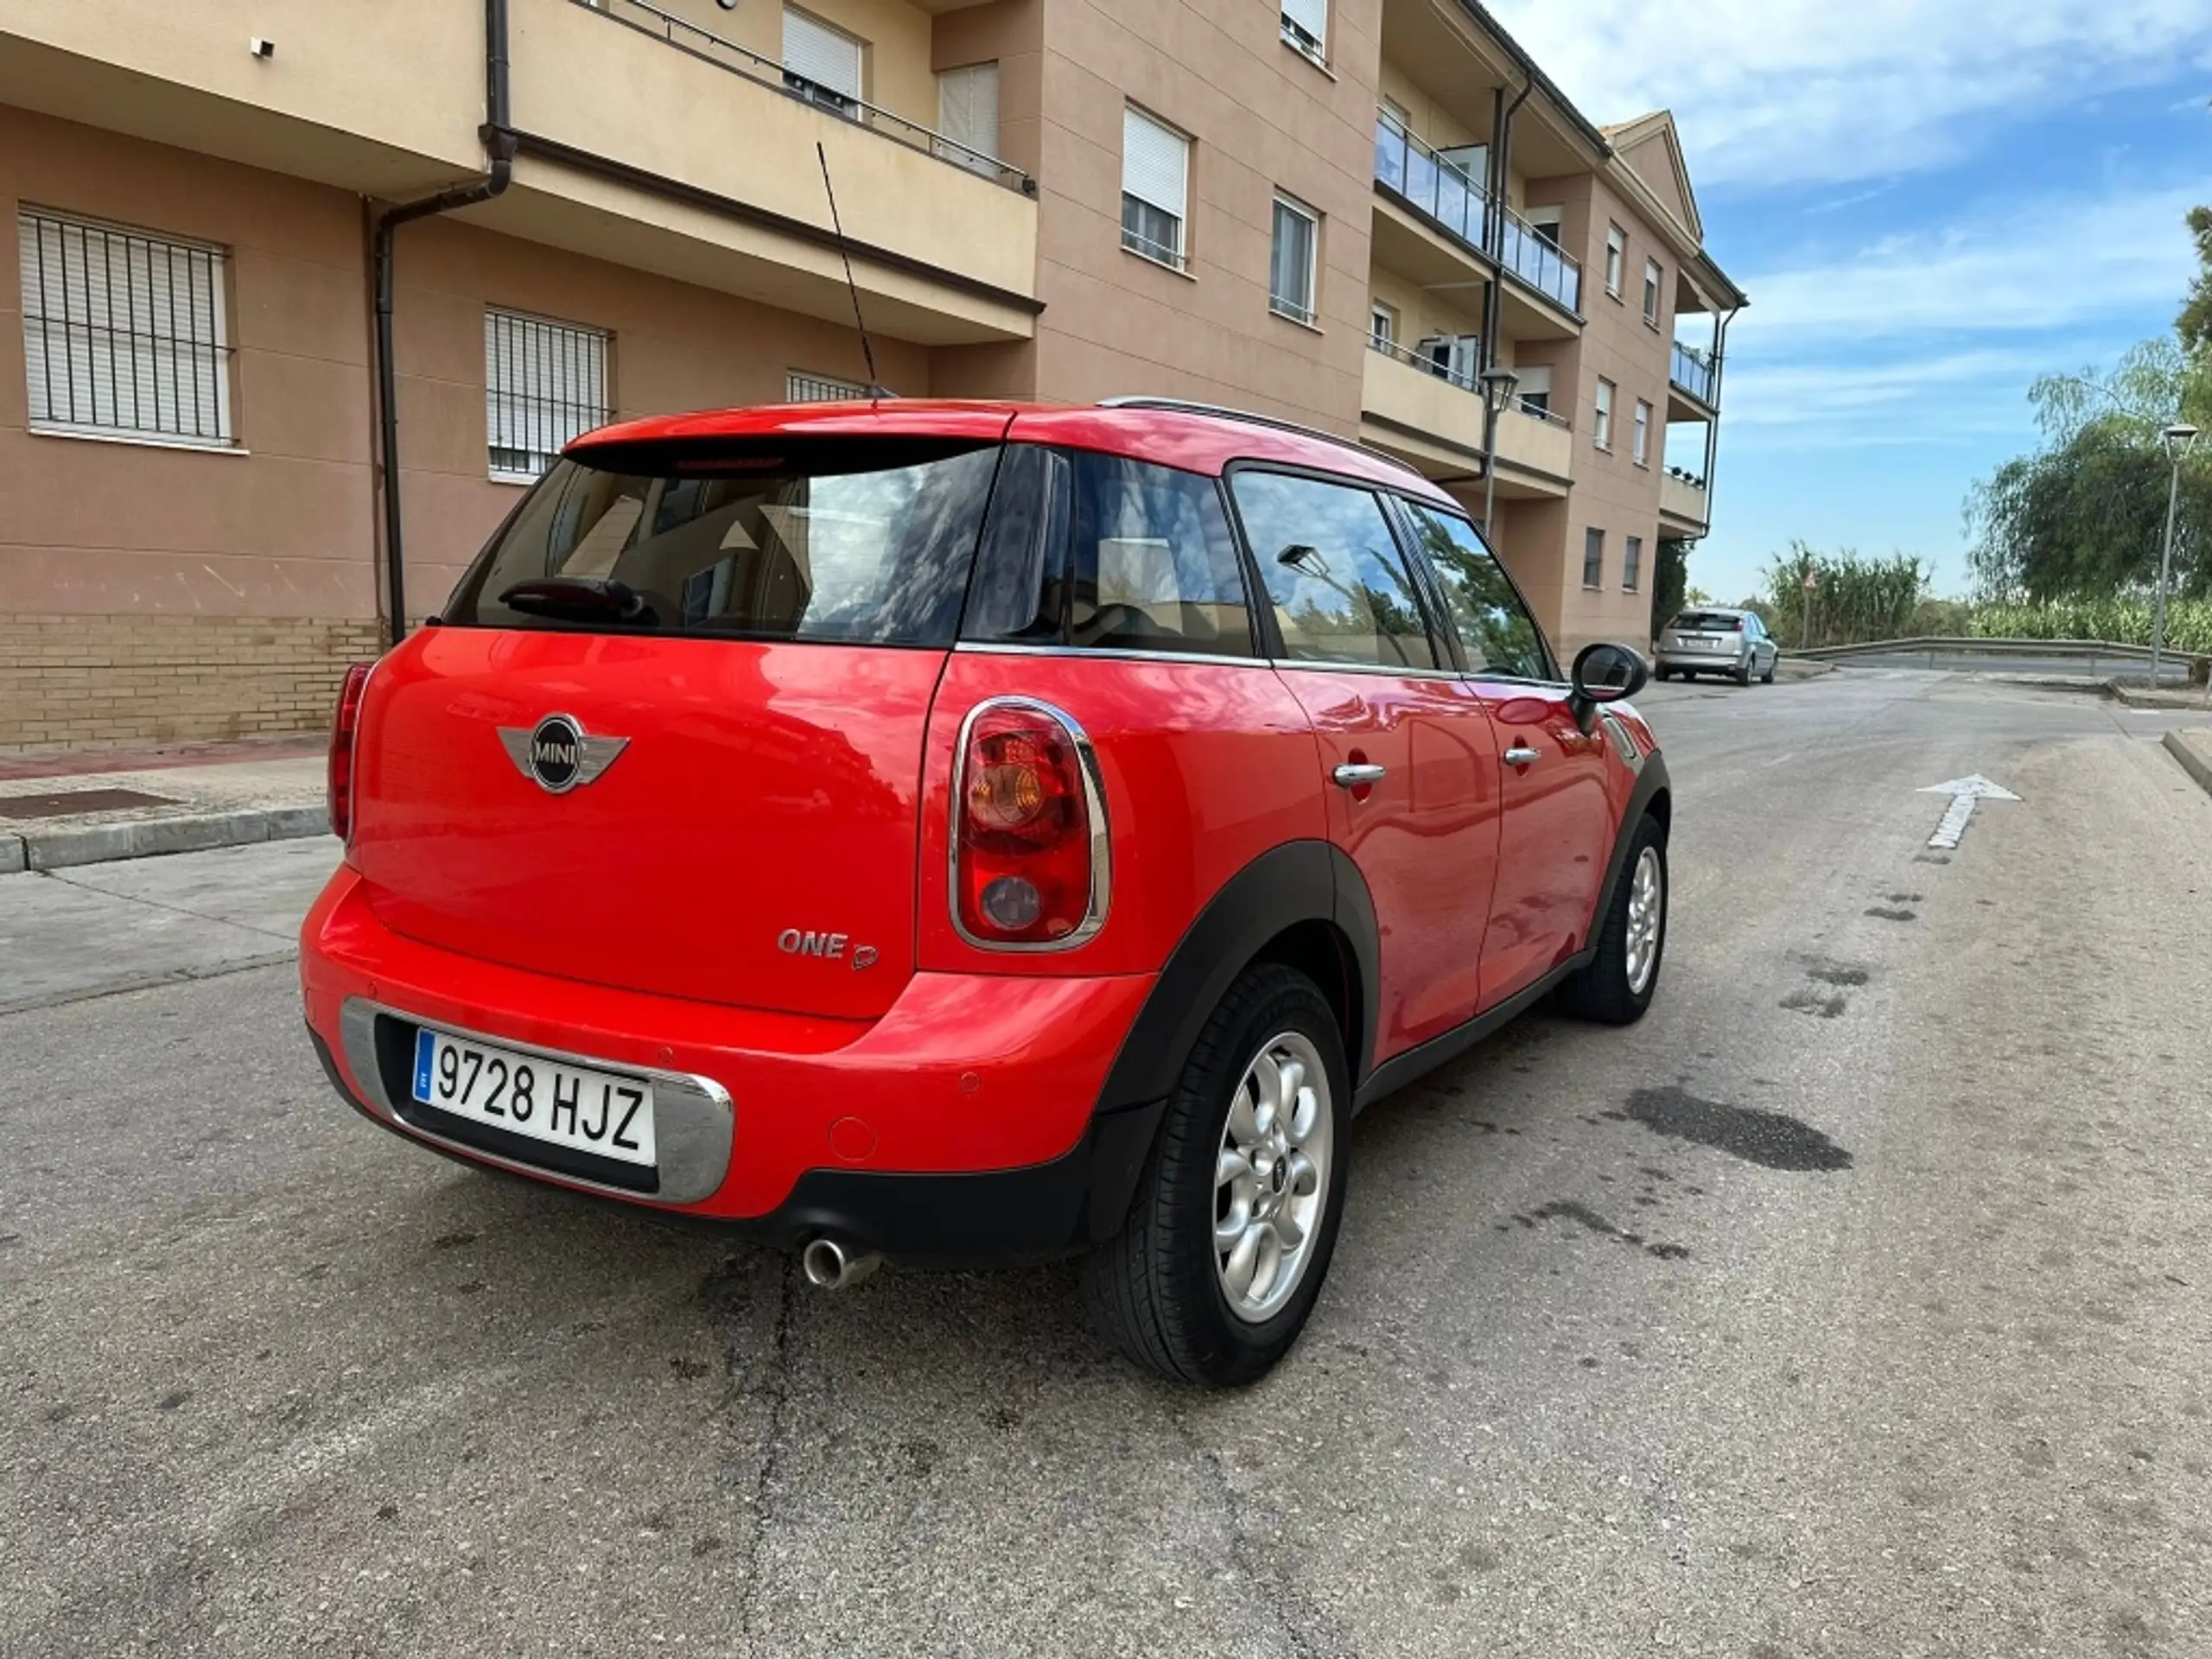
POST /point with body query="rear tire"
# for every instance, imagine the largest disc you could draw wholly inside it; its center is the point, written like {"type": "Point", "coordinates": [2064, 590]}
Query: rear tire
{"type": "Point", "coordinates": [1160, 1290]}
{"type": "Point", "coordinates": [1616, 988]}
{"type": "Point", "coordinates": [1663, 673]}
{"type": "Point", "coordinates": [1743, 672]}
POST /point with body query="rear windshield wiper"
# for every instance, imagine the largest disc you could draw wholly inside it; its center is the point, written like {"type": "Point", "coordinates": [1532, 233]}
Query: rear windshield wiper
{"type": "Point", "coordinates": [580, 599]}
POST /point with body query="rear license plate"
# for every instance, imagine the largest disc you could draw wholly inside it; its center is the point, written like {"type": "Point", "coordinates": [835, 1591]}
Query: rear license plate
{"type": "Point", "coordinates": [573, 1106]}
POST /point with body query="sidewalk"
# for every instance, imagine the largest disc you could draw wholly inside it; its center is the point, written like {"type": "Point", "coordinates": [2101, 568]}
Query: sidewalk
{"type": "Point", "coordinates": [60, 810]}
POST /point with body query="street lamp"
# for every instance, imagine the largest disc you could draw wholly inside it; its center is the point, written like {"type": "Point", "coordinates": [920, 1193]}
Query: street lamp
{"type": "Point", "coordinates": [2179, 439]}
{"type": "Point", "coordinates": [1498, 386]}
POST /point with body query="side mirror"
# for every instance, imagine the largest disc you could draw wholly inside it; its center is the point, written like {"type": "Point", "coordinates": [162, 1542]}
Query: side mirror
{"type": "Point", "coordinates": [1605, 673]}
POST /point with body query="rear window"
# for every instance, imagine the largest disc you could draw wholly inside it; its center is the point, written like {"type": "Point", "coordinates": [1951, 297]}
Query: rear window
{"type": "Point", "coordinates": [864, 543]}
{"type": "Point", "coordinates": [1706, 622]}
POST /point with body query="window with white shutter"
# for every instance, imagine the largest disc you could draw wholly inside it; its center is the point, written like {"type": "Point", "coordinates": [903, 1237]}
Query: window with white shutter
{"type": "Point", "coordinates": [1290, 265]}
{"type": "Point", "coordinates": [545, 383]}
{"type": "Point", "coordinates": [125, 334]}
{"type": "Point", "coordinates": [821, 61]}
{"type": "Point", "coordinates": [1155, 182]}
{"type": "Point", "coordinates": [968, 114]}
{"type": "Point", "coordinates": [800, 387]}
{"type": "Point", "coordinates": [1306, 25]}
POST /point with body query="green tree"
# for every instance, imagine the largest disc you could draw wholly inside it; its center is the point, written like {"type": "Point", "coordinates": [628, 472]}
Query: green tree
{"type": "Point", "coordinates": [2084, 517]}
{"type": "Point", "coordinates": [2194, 326]}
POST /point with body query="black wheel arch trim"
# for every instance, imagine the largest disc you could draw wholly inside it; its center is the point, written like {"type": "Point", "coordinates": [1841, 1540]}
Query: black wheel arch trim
{"type": "Point", "coordinates": [1299, 881]}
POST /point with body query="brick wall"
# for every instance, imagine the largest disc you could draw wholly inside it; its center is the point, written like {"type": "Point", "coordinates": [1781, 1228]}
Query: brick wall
{"type": "Point", "coordinates": [92, 681]}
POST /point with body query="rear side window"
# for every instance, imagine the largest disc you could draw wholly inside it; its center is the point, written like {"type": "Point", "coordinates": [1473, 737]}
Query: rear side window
{"type": "Point", "coordinates": [865, 542]}
{"type": "Point", "coordinates": [1340, 588]}
{"type": "Point", "coordinates": [1103, 552]}
{"type": "Point", "coordinates": [1498, 636]}
{"type": "Point", "coordinates": [1706, 622]}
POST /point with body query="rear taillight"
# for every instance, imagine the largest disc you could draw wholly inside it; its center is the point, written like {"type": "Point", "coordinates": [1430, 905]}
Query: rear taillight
{"type": "Point", "coordinates": [1029, 843]}
{"type": "Point", "coordinates": [343, 726]}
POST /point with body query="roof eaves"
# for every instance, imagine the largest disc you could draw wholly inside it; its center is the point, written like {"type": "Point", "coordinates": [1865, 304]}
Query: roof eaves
{"type": "Point", "coordinates": [1537, 77]}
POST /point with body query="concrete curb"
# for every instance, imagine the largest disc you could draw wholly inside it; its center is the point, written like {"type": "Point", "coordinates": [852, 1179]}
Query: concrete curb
{"type": "Point", "coordinates": [2143, 697]}
{"type": "Point", "coordinates": [2194, 751]}
{"type": "Point", "coordinates": [100, 843]}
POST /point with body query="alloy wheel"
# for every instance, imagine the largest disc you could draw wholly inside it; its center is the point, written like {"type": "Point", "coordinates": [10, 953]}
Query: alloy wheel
{"type": "Point", "coordinates": [1271, 1176]}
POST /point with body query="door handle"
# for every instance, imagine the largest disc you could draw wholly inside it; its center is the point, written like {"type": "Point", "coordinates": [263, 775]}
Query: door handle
{"type": "Point", "coordinates": [1358, 777]}
{"type": "Point", "coordinates": [1521, 755]}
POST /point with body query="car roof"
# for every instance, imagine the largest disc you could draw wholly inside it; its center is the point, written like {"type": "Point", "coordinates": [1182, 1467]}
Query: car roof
{"type": "Point", "coordinates": [1195, 438]}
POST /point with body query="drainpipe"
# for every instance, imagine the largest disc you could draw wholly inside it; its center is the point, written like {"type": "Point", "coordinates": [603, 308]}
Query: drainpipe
{"type": "Point", "coordinates": [1497, 174]}
{"type": "Point", "coordinates": [1495, 182]}
{"type": "Point", "coordinates": [1713, 427]}
{"type": "Point", "coordinates": [499, 143]}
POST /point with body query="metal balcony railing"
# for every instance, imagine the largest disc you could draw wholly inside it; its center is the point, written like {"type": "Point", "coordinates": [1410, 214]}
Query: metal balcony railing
{"type": "Point", "coordinates": [1696, 372]}
{"type": "Point", "coordinates": [1459, 202]}
{"type": "Point", "coordinates": [1535, 408]}
{"type": "Point", "coordinates": [706, 44]}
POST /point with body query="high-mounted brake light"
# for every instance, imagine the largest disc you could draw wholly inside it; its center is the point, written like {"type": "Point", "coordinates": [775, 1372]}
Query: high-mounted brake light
{"type": "Point", "coordinates": [1030, 867]}
{"type": "Point", "coordinates": [343, 726]}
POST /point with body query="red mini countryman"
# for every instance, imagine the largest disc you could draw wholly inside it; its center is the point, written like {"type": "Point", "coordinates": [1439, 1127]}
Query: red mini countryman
{"type": "Point", "coordinates": [957, 833]}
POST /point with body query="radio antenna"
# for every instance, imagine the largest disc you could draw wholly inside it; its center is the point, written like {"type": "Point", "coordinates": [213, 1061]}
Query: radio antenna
{"type": "Point", "coordinates": [875, 388]}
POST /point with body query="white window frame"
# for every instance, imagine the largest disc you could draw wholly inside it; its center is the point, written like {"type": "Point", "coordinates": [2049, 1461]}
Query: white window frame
{"type": "Point", "coordinates": [815, 71]}
{"type": "Point", "coordinates": [1601, 429]}
{"type": "Point", "coordinates": [1144, 142]}
{"type": "Point", "coordinates": [572, 396]}
{"type": "Point", "coordinates": [967, 103]}
{"type": "Point", "coordinates": [1640, 438]}
{"type": "Point", "coordinates": [1305, 27]}
{"type": "Point", "coordinates": [1305, 309]}
{"type": "Point", "coordinates": [803, 386]}
{"type": "Point", "coordinates": [1382, 326]}
{"type": "Point", "coordinates": [1654, 276]}
{"type": "Point", "coordinates": [81, 353]}
{"type": "Point", "coordinates": [1534, 389]}
{"type": "Point", "coordinates": [1616, 259]}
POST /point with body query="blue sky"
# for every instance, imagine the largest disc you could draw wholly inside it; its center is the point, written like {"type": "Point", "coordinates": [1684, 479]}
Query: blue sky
{"type": "Point", "coordinates": [1930, 202]}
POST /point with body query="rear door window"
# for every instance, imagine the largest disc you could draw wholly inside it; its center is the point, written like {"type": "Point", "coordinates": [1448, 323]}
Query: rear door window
{"type": "Point", "coordinates": [1105, 553]}
{"type": "Point", "coordinates": [1340, 588]}
{"type": "Point", "coordinates": [1498, 635]}
{"type": "Point", "coordinates": [866, 542]}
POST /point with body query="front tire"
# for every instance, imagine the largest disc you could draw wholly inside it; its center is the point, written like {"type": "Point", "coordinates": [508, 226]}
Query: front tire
{"type": "Point", "coordinates": [1767, 679]}
{"type": "Point", "coordinates": [1616, 988]}
{"type": "Point", "coordinates": [1235, 1216]}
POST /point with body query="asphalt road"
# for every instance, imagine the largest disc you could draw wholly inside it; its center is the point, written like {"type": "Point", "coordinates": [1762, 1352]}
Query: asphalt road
{"type": "Point", "coordinates": [1855, 1303]}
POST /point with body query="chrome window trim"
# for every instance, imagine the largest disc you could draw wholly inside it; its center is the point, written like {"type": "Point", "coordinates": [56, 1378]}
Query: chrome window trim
{"type": "Point", "coordinates": [695, 1120]}
{"type": "Point", "coordinates": [1107, 653]}
{"type": "Point", "coordinates": [1093, 798]}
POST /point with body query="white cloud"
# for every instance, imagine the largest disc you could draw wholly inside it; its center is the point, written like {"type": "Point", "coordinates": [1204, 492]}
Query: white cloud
{"type": "Point", "coordinates": [1782, 92]}
{"type": "Point", "coordinates": [2022, 265]}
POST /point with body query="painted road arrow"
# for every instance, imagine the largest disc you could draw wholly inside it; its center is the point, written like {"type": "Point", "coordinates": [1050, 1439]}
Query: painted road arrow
{"type": "Point", "coordinates": [1964, 793]}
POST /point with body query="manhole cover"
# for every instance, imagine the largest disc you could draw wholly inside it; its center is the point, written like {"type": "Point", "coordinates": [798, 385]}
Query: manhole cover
{"type": "Point", "coordinates": [68, 802]}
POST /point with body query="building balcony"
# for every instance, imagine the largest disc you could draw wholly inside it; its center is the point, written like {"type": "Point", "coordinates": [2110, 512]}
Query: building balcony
{"type": "Point", "coordinates": [643, 138]}
{"type": "Point", "coordinates": [1683, 502]}
{"type": "Point", "coordinates": [1431, 416]}
{"type": "Point", "coordinates": [1695, 378]}
{"type": "Point", "coordinates": [1454, 202]}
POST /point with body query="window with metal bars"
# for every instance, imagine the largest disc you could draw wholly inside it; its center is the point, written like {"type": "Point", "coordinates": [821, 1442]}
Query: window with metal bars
{"type": "Point", "coordinates": [800, 387]}
{"type": "Point", "coordinates": [126, 334]}
{"type": "Point", "coordinates": [545, 383]}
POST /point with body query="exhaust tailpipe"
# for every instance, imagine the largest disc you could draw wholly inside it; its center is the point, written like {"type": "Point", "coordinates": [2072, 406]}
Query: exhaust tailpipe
{"type": "Point", "coordinates": [830, 1266]}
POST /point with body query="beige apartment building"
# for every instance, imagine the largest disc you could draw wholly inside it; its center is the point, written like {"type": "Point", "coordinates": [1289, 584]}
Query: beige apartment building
{"type": "Point", "coordinates": [1375, 217]}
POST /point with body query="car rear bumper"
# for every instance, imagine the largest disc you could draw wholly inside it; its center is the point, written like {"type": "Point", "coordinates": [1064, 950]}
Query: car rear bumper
{"type": "Point", "coordinates": [1707, 662]}
{"type": "Point", "coordinates": [958, 1127]}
